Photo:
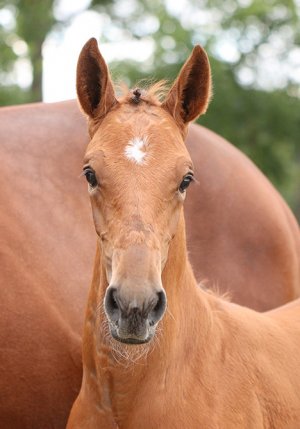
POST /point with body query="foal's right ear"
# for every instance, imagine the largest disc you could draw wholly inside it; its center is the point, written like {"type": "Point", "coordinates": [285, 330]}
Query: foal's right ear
{"type": "Point", "coordinates": [94, 86]}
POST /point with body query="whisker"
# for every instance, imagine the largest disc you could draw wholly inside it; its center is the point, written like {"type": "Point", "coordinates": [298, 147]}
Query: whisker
{"type": "Point", "coordinates": [171, 314]}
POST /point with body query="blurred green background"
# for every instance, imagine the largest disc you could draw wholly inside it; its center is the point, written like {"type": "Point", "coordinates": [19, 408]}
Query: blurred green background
{"type": "Point", "coordinates": [254, 48]}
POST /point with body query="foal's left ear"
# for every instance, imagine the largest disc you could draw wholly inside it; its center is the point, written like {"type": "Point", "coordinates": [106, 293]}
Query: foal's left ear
{"type": "Point", "coordinates": [190, 94]}
{"type": "Point", "coordinates": [93, 83]}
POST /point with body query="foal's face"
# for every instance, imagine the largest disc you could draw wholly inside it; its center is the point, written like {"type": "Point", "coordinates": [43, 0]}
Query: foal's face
{"type": "Point", "coordinates": [138, 170]}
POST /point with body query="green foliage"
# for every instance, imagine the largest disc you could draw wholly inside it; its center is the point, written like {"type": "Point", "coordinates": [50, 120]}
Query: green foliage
{"type": "Point", "coordinates": [8, 57]}
{"type": "Point", "coordinates": [264, 125]}
{"type": "Point", "coordinates": [33, 22]}
{"type": "Point", "coordinates": [40, 15]}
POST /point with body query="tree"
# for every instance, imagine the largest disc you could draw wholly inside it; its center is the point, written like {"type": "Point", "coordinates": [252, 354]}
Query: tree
{"type": "Point", "coordinates": [34, 20]}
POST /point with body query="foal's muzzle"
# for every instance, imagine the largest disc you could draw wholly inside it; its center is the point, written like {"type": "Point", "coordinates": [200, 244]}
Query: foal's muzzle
{"type": "Point", "coordinates": [133, 321]}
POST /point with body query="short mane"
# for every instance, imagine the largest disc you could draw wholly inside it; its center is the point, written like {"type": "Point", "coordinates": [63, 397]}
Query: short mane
{"type": "Point", "coordinates": [151, 93]}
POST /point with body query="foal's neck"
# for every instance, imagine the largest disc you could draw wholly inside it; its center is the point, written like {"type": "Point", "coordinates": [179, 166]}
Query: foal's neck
{"type": "Point", "coordinates": [113, 381]}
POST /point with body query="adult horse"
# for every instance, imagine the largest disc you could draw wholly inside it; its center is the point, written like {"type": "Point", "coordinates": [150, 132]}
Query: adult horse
{"type": "Point", "coordinates": [47, 244]}
{"type": "Point", "coordinates": [216, 364]}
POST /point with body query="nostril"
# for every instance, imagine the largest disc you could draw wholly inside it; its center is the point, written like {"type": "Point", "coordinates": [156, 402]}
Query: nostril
{"type": "Point", "coordinates": [111, 302]}
{"type": "Point", "coordinates": [158, 304]}
{"type": "Point", "coordinates": [159, 308]}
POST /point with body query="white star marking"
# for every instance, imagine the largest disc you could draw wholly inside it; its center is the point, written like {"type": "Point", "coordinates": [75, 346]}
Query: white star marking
{"type": "Point", "coordinates": [135, 150]}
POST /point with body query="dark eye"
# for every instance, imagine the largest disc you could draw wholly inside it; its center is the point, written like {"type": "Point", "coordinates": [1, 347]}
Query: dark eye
{"type": "Point", "coordinates": [90, 176]}
{"type": "Point", "coordinates": [186, 181]}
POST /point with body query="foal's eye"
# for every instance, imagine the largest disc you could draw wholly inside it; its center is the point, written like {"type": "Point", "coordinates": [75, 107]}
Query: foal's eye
{"type": "Point", "coordinates": [185, 182]}
{"type": "Point", "coordinates": [90, 176]}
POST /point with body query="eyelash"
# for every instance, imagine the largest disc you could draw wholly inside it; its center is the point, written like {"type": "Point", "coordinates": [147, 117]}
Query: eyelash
{"type": "Point", "coordinates": [188, 178]}
{"type": "Point", "coordinates": [90, 176]}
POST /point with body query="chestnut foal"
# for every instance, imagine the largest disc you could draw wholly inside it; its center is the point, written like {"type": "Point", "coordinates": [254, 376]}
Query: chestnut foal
{"type": "Point", "coordinates": [212, 364]}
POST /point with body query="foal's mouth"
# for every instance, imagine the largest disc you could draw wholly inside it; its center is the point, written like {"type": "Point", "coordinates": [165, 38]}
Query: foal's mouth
{"type": "Point", "coordinates": [131, 341]}
{"type": "Point", "coordinates": [131, 338]}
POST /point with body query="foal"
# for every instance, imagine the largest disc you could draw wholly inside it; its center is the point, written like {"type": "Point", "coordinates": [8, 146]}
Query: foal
{"type": "Point", "coordinates": [212, 364]}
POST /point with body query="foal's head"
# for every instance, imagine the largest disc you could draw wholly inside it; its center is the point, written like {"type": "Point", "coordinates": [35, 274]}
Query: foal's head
{"type": "Point", "coordinates": [138, 170]}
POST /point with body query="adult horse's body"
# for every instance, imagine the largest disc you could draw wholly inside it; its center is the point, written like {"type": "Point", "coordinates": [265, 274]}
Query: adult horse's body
{"type": "Point", "coordinates": [241, 233]}
{"type": "Point", "coordinates": [215, 364]}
